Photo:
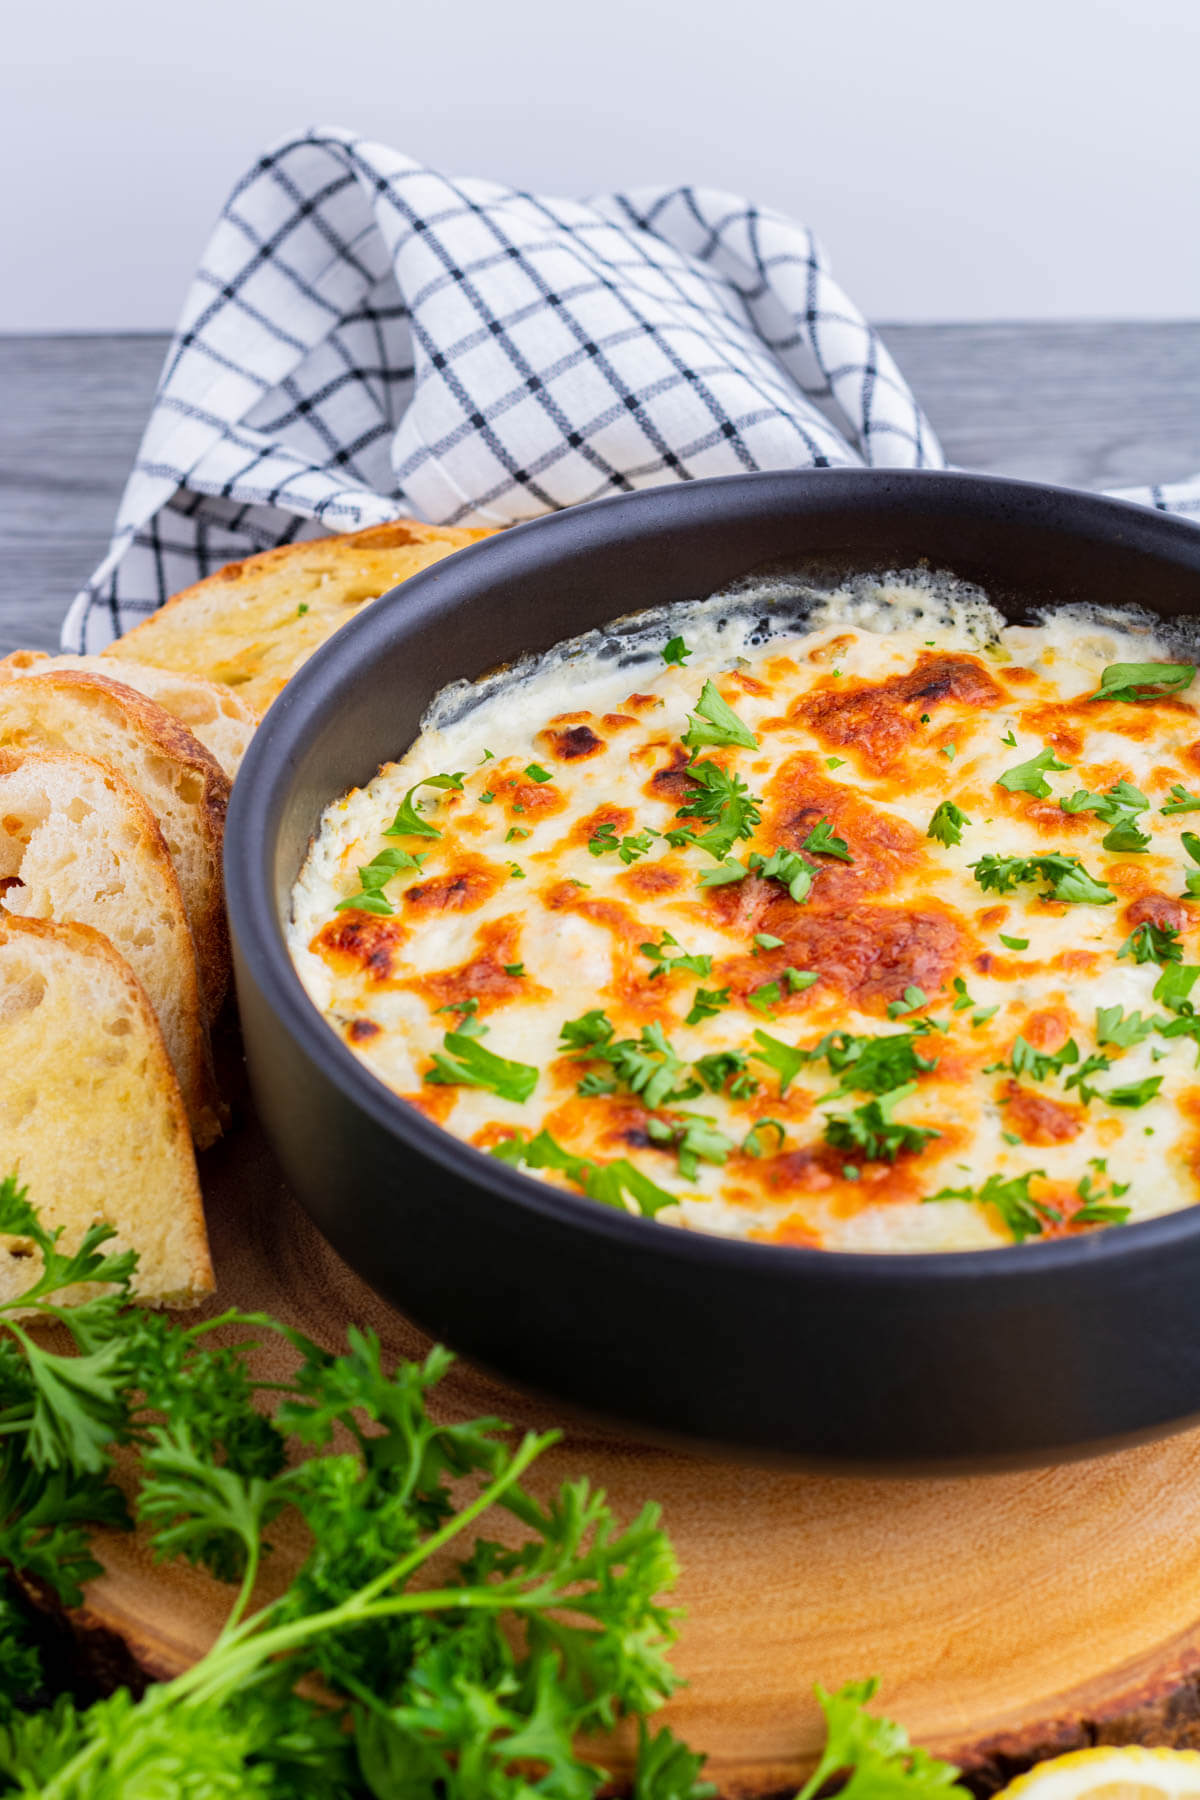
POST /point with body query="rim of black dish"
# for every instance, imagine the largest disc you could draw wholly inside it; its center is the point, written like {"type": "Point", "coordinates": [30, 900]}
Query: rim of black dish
{"type": "Point", "coordinates": [266, 774]}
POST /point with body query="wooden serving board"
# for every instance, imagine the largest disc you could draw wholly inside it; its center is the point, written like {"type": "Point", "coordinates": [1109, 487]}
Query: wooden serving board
{"type": "Point", "coordinates": [1009, 1615]}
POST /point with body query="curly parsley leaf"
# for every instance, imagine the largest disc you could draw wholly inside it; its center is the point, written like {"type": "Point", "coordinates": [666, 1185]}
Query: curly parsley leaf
{"type": "Point", "coordinates": [1143, 681]}
{"type": "Point", "coordinates": [715, 722]}
{"type": "Point", "coordinates": [946, 825]}
{"type": "Point", "coordinates": [874, 1753]}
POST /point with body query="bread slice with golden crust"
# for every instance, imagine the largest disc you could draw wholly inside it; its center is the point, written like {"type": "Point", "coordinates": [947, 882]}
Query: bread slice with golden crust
{"type": "Point", "coordinates": [78, 844]}
{"type": "Point", "coordinates": [213, 714]}
{"type": "Point", "coordinates": [251, 625]}
{"type": "Point", "coordinates": [91, 1120]}
{"type": "Point", "coordinates": [183, 785]}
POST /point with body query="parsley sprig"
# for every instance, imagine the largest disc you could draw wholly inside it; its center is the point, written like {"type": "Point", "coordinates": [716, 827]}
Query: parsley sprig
{"type": "Point", "coordinates": [1064, 876]}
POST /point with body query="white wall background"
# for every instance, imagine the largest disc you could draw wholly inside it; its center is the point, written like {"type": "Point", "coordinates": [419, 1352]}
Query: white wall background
{"type": "Point", "coordinates": [961, 159]}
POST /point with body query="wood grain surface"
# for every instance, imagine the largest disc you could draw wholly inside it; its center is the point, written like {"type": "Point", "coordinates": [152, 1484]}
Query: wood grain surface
{"type": "Point", "coordinates": [1009, 1615]}
{"type": "Point", "coordinates": [1092, 405]}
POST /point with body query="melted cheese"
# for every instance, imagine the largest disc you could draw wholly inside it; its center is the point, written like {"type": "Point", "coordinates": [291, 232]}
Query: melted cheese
{"type": "Point", "coordinates": [890, 700]}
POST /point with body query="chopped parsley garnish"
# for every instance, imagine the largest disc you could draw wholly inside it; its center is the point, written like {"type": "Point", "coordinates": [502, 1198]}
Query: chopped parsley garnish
{"type": "Point", "coordinates": [408, 821]}
{"type": "Point", "coordinates": [963, 998]}
{"type": "Point", "coordinates": [1119, 808]}
{"type": "Point", "coordinates": [764, 941]}
{"type": "Point", "coordinates": [1098, 1207]}
{"type": "Point", "coordinates": [667, 964]}
{"type": "Point", "coordinates": [1115, 1026]}
{"type": "Point", "coordinates": [373, 878]}
{"type": "Point", "coordinates": [515, 833]}
{"type": "Point", "coordinates": [1143, 681]}
{"type": "Point", "coordinates": [730, 870]}
{"type": "Point", "coordinates": [872, 1130]}
{"type": "Point", "coordinates": [947, 823]}
{"type": "Point", "coordinates": [751, 1144]}
{"type": "Point", "coordinates": [1135, 1093]}
{"type": "Point", "coordinates": [675, 651]}
{"type": "Point", "coordinates": [834, 762]}
{"type": "Point", "coordinates": [1024, 1216]}
{"type": "Point", "coordinates": [1065, 877]}
{"type": "Point", "coordinates": [822, 842]}
{"type": "Point", "coordinates": [786, 1060]}
{"type": "Point", "coordinates": [516, 872]}
{"type": "Point", "coordinates": [706, 1004]}
{"type": "Point", "coordinates": [590, 1028]}
{"type": "Point", "coordinates": [1030, 777]}
{"type": "Point", "coordinates": [948, 751]}
{"type": "Point", "coordinates": [1025, 1060]}
{"type": "Point", "coordinates": [1182, 801]}
{"type": "Point", "coordinates": [627, 848]}
{"type": "Point", "coordinates": [647, 1065]}
{"type": "Point", "coordinates": [1081, 1078]}
{"type": "Point", "coordinates": [1009, 739]}
{"type": "Point", "coordinates": [786, 866]}
{"type": "Point", "coordinates": [486, 799]}
{"type": "Point", "coordinates": [1013, 943]}
{"type": "Point", "coordinates": [606, 1182]}
{"type": "Point", "coordinates": [722, 1066]}
{"type": "Point", "coordinates": [799, 979]}
{"type": "Point", "coordinates": [536, 772]}
{"type": "Point", "coordinates": [302, 609]}
{"type": "Point", "coordinates": [514, 969]}
{"type": "Point", "coordinates": [725, 802]}
{"type": "Point", "coordinates": [763, 998]}
{"type": "Point", "coordinates": [695, 1138]}
{"type": "Point", "coordinates": [1152, 943]}
{"type": "Point", "coordinates": [872, 1065]}
{"type": "Point", "coordinates": [911, 999]}
{"type": "Point", "coordinates": [1174, 987]}
{"type": "Point", "coordinates": [1191, 880]}
{"type": "Point", "coordinates": [465, 1062]}
{"type": "Point", "coordinates": [715, 722]}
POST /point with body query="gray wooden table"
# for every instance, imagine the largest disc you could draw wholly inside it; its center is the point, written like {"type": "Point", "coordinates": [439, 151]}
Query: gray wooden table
{"type": "Point", "coordinates": [1093, 405]}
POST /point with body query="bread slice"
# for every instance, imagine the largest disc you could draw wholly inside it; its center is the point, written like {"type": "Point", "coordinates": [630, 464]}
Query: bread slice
{"type": "Point", "coordinates": [77, 843]}
{"type": "Point", "coordinates": [251, 625]}
{"type": "Point", "coordinates": [180, 781]}
{"type": "Point", "coordinates": [91, 1121]}
{"type": "Point", "coordinates": [213, 714]}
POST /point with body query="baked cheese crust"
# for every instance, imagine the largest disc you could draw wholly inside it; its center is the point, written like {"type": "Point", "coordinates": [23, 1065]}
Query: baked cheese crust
{"type": "Point", "coordinates": [872, 934]}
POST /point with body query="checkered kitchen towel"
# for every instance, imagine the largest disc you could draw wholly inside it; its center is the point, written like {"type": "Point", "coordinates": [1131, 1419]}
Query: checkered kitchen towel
{"type": "Point", "coordinates": [367, 338]}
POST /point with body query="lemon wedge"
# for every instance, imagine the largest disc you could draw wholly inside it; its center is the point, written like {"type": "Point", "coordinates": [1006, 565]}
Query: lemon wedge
{"type": "Point", "coordinates": [1112, 1773]}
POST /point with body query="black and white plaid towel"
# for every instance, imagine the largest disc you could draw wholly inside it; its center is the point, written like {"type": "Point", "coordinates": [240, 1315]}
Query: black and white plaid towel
{"type": "Point", "coordinates": [367, 338]}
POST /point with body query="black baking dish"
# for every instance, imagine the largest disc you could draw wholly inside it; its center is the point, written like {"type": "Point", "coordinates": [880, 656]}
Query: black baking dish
{"type": "Point", "coordinates": [955, 1359]}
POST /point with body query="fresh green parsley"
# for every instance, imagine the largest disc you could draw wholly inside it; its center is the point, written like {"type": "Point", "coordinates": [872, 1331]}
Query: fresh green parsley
{"type": "Point", "coordinates": [725, 803]}
{"type": "Point", "coordinates": [1148, 942]}
{"type": "Point", "coordinates": [1013, 943]}
{"type": "Point", "coordinates": [715, 722]}
{"type": "Point", "coordinates": [872, 1065]}
{"type": "Point", "coordinates": [1174, 986]}
{"type": "Point", "coordinates": [1191, 880]}
{"type": "Point", "coordinates": [373, 877]}
{"type": "Point", "coordinates": [706, 1004]}
{"type": "Point", "coordinates": [911, 999]}
{"type": "Point", "coordinates": [726, 1069]}
{"type": "Point", "coordinates": [1065, 877]}
{"type": "Point", "coordinates": [607, 1183]}
{"type": "Point", "coordinates": [660, 954]}
{"type": "Point", "coordinates": [302, 609]}
{"type": "Point", "coordinates": [822, 842]}
{"type": "Point", "coordinates": [515, 833]}
{"type": "Point", "coordinates": [789, 868]}
{"type": "Point", "coordinates": [1119, 808]}
{"type": "Point", "coordinates": [627, 848]}
{"type": "Point", "coordinates": [764, 941]}
{"type": "Point", "coordinates": [514, 969]}
{"type": "Point", "coordinates": [835, 762]}
{"type": "Point", "coordinates": [1143, 681]}
{"type": "Point", "coordinates": [947, 823]}
{"type": "Point", "coordinates": [752, 1142]}
{"type": "Point", "coordinates": [873, 1131]}
{"type": "Point", "coordinates": [1023, 1216]}
{"type": "Point", "coordinates": [1135, 1093]}
{"type": "Point", "coordinates": [1115, 1026]}
{"type": "Point", "coordinates": [464, 1062]}
{"type": "Point", "coordinates": [675, 651]}
{"type": "Point", "coordinates": [408, 821]}
{"type": "Point", "coordinates": [786, 1060]}
{"type": "Point", "coordinates": [1030, 777]}
{"type": "Point", "coordinates": [694, 1137]}
{"type": "Point", "coordinates": [1181, 801]}
{"type": "Point", "coordinates": [763, 998]}
{"type": "Point", "coordinates": [536, 772]}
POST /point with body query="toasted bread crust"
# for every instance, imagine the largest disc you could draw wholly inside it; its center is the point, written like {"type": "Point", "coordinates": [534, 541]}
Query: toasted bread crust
{"type": "Point", "coordinates": [132, 1198]}
{"type": "Point", "coordinates": [42, 710]}
{"type": "Point", "coordinates": [252, 624]}
{"type": "Point", "coordinates": [131, 861]}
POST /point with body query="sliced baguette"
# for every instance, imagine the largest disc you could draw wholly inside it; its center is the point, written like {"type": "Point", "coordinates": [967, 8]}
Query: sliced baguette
{"type": "Point", "coordinates": [77, 843]}
{"type": "Point", "coordinates": [215, 715]}
{"type": "Point", "coordinates": [251, 625]}
{"type": "Point", "coordinates": [91, 1120]}
{"type": "Point", "coordinates": [180, 781]}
